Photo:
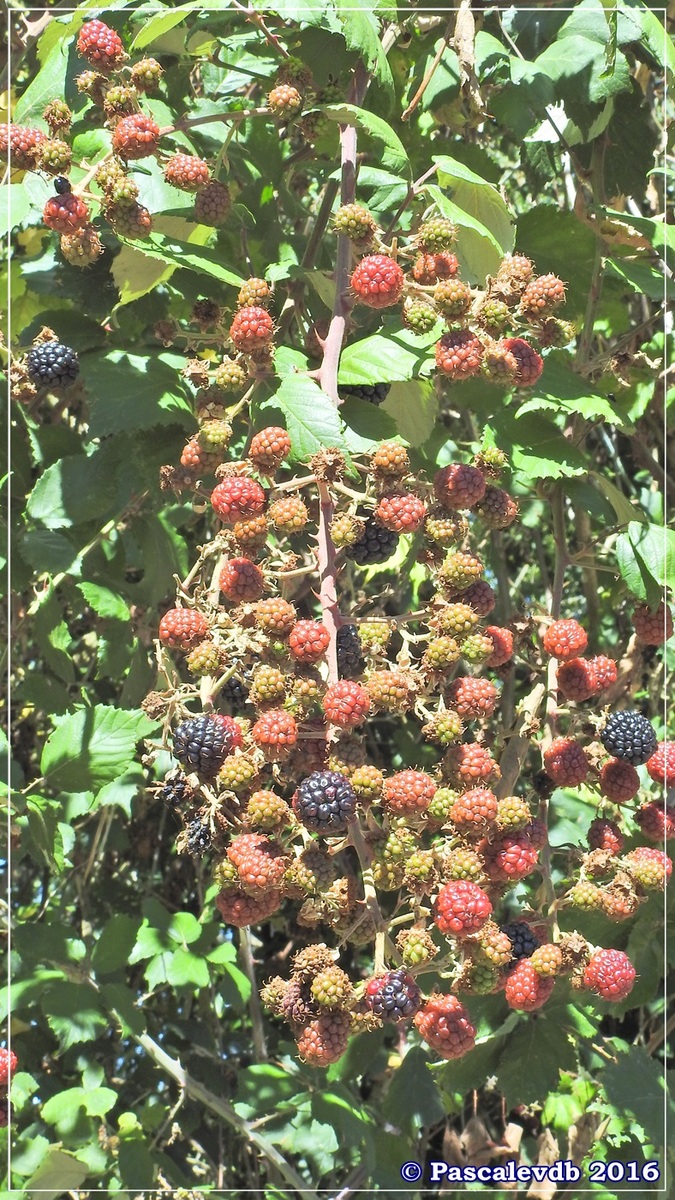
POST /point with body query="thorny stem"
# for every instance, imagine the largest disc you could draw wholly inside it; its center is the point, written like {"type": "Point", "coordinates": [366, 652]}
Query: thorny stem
{"type": "Point", "coordinates": [256, 19]}
{"type": "Point", "coordinates": [258, 1028]}
{"type": "Point", "coordinates": [412, 192]}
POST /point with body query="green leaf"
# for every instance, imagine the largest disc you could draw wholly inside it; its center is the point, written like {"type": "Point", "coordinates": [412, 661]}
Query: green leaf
{"type": "Point", "coordinates": [53, 637]}
{"type": "Point", "coordinates": [635, 1083]}
{"type": "Point", "coordinates": [93, 746]}
{"type": "Point", "coordinates": [15, 207]}
{"type": "Point", "coordinates": [45, 85]}
{"type": "Point", "coordinates": [625, 511]}
{"type": "Point", "coordinates": [478, 198]}
{"type": "Point", "coordinates": [71, 491]}
{"type": "Point", "coordinates": [43, 816]}
{"type": "Point", "coordinates": [105, 603]}
{"type": "Point", "coordinates": [186, 969]}
{"type": "Point", "coordinates": [537, 448]}
{"type": "Point", "coordinates": [162, 22]}
{"type": "Point", "coordinates": [383, 359]}
{"type": "Point", "coordinates": [122, 1001]}
{"type": "Point", "coordinates": [312, 420]}
{"type": "Point", "coordinates": [58, 1173]}
{"type": "Point", "coordinates": [479, 252]}
{"type": "Point", "coordinates": [563, 390]}
{"type": "Point", "coordinates": [74, 1013]}
{"type": "Point", "coordinates": [464, 1074]}
{"type": "Point", "coordinates": [366, 425]}
{"type": "Point", "coordinates": [115, 943]}
{"type": "Point", "coordinates": [132, 391]}
{"type": "Point", "coordinates": [412, 1100]}
{"type": "Point", "coordinates": [532, 1059]}
{"type": "Point", "coordinates": [414, 407]}
{"type": "Point", "coordinates": [176, 253]}
{"type": "Point", "coordinates": [392, 155]}
{"type": "Point", "coordinates": [362, 32]}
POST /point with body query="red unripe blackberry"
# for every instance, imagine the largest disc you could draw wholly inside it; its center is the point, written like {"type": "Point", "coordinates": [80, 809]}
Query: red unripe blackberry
{"type": "Point", "coordinates": [497, 509]}
{"type": "Point", "coordinates": [269, 448]}
{"type": "Point", "coordinates": [239, 909]}
{"type": "Point", "coordinates": [19, 146]}
{"type": "Point", "coordinates": [136, 136]}
{"type": "Point", "coordinates": [510, 857]}
{"type": "Point", "coordinates": [661, 764]}
{"type": "Point", "coordinates": [240, 580]}
{"type": "Point", "coordinates": [187, 172]}
{"type": "Point", "coordinates": [459, 354]}
{"type": "Point", "coordinates": [275, 732]}
{"type": "Point", "coordinates": [212, 203]}
{"type": "Point", "coordinates": [252, 328]}
{"type": "Point", "coordinates": [377, 281]}
{"type": "Point", "coordinates": [324, 1040]}
{"type": "Point", "coordinates": [605, 835]}
{"type": "Point", "coordinates": [428, 268]}
{"type": "Point", "coordinates": [656, 821]}
{"type": "Point", "coordinates": [610, 974]}
{"type": "Point", "coordinates": [480, 596]}
{"type": "Point", "coordinates": [408, 792]}
{"type": "Point", "coordinates": [284, 101]}
{"type": "Point", "coordinates": [566, 762]}
{"type": "Point", "coordinates": [308, 641]}
{"type": "Point", "coordinates": [472, 697]}
{"type": "Point", "coordinates": [195, 458]}
{"type": "Point", "coordinates": [473, 810]}
{"type": "Point", "coordinates": [468, 764]}
{"type": "Point", "coordinates": [346, 704]}
{"type": "Point", "coordinates": [459, 486]}
{"type": "Point", "coordinates": [653, 628]}
{"type": "Point", "coordinates": [619, 781]}
{"type": "Point", "coordinates": [402, 512]}
{"type": "Point", "coordinates": [275, 616]}
{"type": "Point", "coordinates": [502, 642]}
{"type": "Point", "coordinates": [565, 639]}
{"type": "Point", "coordinates": [237, 498]}
{"type": "Point", "coordinates": [66, 213]}
{"type": "Point", "coordinates": [391, 460]}
{"type": "Point", "coordinates": [542, 295]}
{"type": "Point", "coordinates": [288, 515]}
{"type": "Point", "coordinates": [8, 1065]}
{"type": "Point", "coordinates": [530, 364]}
{"type": "Point", "coordinates": [100, 45]}
{"type": "Point", "coordinates": [605, 670]}
{"type": "Point", "coordinates": [260, 863]}
{"type": "Point", "coordinates": [525, 989]}
{"type": "Point", "coordinates": [182, 628]}
{"type": "Point", "coordinates": [461, 908]}
{"type": "Point", "coordinates": [576, 679]}
{"type": "Point", "coordinates": [444, 1025]}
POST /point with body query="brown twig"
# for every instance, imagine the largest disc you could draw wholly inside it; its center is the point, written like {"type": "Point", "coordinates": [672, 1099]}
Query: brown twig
{"type": "Point", "coordinates": [330, 612]}
{"type": "Point", "coordinates": [447, 37]}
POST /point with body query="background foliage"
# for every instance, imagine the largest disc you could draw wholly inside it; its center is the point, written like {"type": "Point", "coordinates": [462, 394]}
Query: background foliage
{"type": "Point", "coordinates": [552, 144]}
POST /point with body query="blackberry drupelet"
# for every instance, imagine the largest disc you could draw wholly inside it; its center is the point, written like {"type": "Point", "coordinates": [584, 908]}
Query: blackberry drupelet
{"type": "Point", "coordinates": [198, 837]}
{"type": "Point", "coordinates": [52, 363]}
{"type": "Point", "coordinates": [374, 393]}
{"type": "Point", "coordinates": [202, 744]}
{"type": "Point", "coordinates": [234, 693]}
{"type": "Point", "coordinates": [523, 941]}
{"type": "Point", "coordinates": [324, 802]}
{"type": "Point", "coordinates": [176, 789]}
{"type": "Point", "coordinates": [394, 996]}
{"type": "Point", "coordinates": [349, 652]}
{"type": "Point", "coordinates": [629, 736]}
{"type": "Point", "coordinates": [375, 545]}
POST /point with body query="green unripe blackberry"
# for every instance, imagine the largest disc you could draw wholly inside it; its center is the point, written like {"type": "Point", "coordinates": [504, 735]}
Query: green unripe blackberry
{"type": "Point", "coordinates": [458, 620]}
{"type": "Point", "coordinates": [268, 686]}
{"type": "Point", "coordinates": [460, 570]}
{"type": "Point", "coordinates": [513, 812]}
{"type": "Point", "coordinates": [367, 782]}
{"type": "Point", "coordinates": [374, 635]}
{"type": "Point", "coordinates": [332, 988]}
{"type": "Point", "coordinates": [439, 808]}
{"type": "Point", "coordinates": [420, 872]}
{"type": "Point", "coordinates": [237, 773]}
{"type": "Point", "coordinates": [436, 234]}
{"type": "Point", "coordinates": [225, 875]}
{"type": "Point", "coordinates": [108, 174]}
{"type": "Point", "coordinates": [585, 895]}
{"type": "Point", "coordinates": [419, 315]}
{"type": "Point", "coordinates": [345, 529]}
{"type": "Point", "coordinates": [479, 978]}
{"type": "Point", "coordinates": [266, 812]}
{"type": "Point", "coordinates": [494, 317]}
{"type": "Point", "coordinates": [388, 874]}
{"type": "Point", "coordinates": [477, 648]}
{"type": "Point", "coordinates": [462, 863]}
{"type": "Point", "coordinates": [441, 653]}
{"type": "Point", "coordinates": [310, 874]}
{"type": "Point", "coordinates": [58, 116]}
{"type": "Point", "coordinates": [146, 75]}
{"type": "Point", "coordinates": [230, 376]}
{"type": "Point", "coordinates": [54, 157]}
{"type": "Point", "coordinates": [205, 659]}
{"type": "Point", "coordinates": [356, 222]}
{"type": "Point", "coordinates": [445, 529]}
{"type": "Point", "coordinates": [452, 297]}
{"type": "Point", "coordinates": [416, 947]}
{"type": "Point", "coordinates": [120, 101]}
{"type": "Point", "coordinates": [444, 728]}
{"type": "Point", "coordinates": [214, 436]}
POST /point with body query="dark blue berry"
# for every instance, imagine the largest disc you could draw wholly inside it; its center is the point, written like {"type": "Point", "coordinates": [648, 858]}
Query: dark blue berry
{"type": "Point", "coordinates": [374, 393]}
{"type": "Point", "coordinates": [52, 363]}
{"type": "Point", "coordinates": [349, 652]}
{"type": "Point", "coordinates": [202, 744]}
{"type": "Point", "coordinates": [523, 941]}
{"type": "Point", "coordinates": [324, 802]}
{"type": "Point", "coordinates": [198, 837]}
{"type": "Point", "coordinates": [176, 789]}
{"type": "Point", "coordinates": [394, 996]}
{"type": "Point", "coordinates": [629, 736]}
{"type": "Point", "coordinates": [375, 545]}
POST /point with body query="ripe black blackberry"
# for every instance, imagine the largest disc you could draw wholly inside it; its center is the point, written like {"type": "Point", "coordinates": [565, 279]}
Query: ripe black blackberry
{"type": "Point", "coordinates": [324, 802]}
{"type": "Point", "coordinates": [203, 743]}
{"type": "Point", "coordinates": [394, 996]}
{"type": "Point", "coordinates": [523, 941]}
{"type": "Point", "coordinates": [375, 545]}
{"type": "Point", "coordinates": [198, 837]}
{"type": "Point", "coordinates": [176, 789]}
{"type": "Point", "coordinates": [52, 363]}
{"type": "Point", "coordinates": [349, 652]}
{"type": "Point", "coordinates": [374, 393]}
{"type": "Point", "coordinates": [234, 693]}
{"type": "Point", "coordinates": [629, 736]}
